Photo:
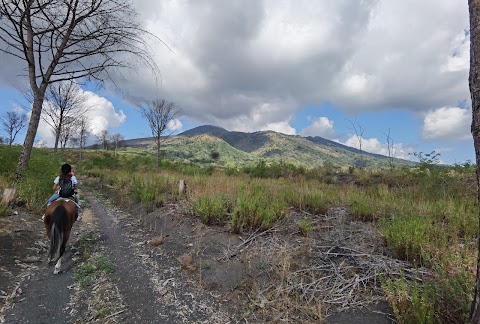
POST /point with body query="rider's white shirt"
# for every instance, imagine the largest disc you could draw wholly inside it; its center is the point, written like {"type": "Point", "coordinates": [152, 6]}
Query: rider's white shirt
{"type": "Point", "coordinates": [74, 180]}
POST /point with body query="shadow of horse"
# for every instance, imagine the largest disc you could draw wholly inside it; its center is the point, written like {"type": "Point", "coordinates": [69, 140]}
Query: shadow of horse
{"type": "Point", "coordinates": [59, 219]}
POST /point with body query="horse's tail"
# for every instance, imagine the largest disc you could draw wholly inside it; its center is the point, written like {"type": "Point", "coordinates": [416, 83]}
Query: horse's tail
{"type": "Point", "coordinates": [56, 237]}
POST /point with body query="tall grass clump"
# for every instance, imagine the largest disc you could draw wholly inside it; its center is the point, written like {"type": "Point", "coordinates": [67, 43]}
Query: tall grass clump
{"type": "Point", "coordinates": [152, 190]}
{"type": "Point", "coordinates": [212, 210]}
{"type": "Point", "coordinates": [311, 197]}
{"type": "Point", "coordinates": [411, 304]}
{"type": "Point", "coordinates": [257, 207]}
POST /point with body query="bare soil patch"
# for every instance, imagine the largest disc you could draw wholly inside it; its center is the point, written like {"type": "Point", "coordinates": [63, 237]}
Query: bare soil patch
{"type": "Point", "coordinates": [280, 275]}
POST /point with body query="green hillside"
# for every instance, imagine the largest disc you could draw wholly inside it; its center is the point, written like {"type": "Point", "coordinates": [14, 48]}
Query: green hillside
{"type": "Point", "coordinates": [196, 145]}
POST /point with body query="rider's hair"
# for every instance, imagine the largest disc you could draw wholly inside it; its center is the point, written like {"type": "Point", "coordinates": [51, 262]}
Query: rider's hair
{"type": "Point", "coordinates": [65, 173]}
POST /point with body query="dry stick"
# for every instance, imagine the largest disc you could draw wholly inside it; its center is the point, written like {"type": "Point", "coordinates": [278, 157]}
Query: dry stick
{"type": "Point", "coordinates": [114, 314]}
{"type": "Point", "coordinates": [252, 237]}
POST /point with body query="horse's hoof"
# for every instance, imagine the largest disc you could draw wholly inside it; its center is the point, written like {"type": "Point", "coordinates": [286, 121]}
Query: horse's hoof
{"type": "Point", "coordinates": [56, 271]}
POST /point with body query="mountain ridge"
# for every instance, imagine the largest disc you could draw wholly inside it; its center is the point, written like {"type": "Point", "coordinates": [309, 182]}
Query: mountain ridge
{"type": "Point", "coordinates": [196, 145]}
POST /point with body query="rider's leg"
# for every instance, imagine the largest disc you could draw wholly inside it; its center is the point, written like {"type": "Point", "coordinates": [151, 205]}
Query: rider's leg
{"type": "Point", "coordinates": [53, 198]}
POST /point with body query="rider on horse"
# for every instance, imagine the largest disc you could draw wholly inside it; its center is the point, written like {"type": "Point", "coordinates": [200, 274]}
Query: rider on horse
{"type": "Point", "coordinates": [65, 186]}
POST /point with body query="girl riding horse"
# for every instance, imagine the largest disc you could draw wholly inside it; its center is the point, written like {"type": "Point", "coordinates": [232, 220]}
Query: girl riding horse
{"type": "Point", "coordinates": [60, 215]}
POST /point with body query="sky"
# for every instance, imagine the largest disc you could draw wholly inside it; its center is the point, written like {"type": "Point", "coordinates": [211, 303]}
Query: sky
{"type": "Point", "coordinates": [333, 69]}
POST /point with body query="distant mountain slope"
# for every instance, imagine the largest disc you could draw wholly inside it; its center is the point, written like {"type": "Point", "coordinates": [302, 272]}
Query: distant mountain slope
{"type": "Point", "coordinates": [197, 144]}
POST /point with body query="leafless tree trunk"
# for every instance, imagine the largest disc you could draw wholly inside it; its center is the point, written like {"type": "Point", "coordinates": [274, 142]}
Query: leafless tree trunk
{"type": "Point", "coordinates": [65, 104]}
{"type": "Point", "coordinates": [359, 130]}
{"type": "Point", "coordinates": [103, 139]}
{"type": "Point", "coordinates": [159, 114]}
{"type": "Point", "coordinates": [66, 134]}
{"type": "Point", "coordinates": [13, 123]}
{"type": "Point", "coordinates": [391, 149]}
{"type": "Point", "coordinates": [63, 40]}
{"type": "Point", "coordinates": [474, 81]}
{"type": "Point", "coordinates": [116, 140]}
{"type": "Point", "coordinates": [83, 133]}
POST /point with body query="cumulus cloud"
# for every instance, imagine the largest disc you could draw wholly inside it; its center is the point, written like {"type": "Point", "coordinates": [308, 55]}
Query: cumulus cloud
{"type": "Point", "coordinates": [227, 59]}
{"type": "Point", "coordinates": [102, 115]}
{"type": "Point", "coordinates": [320, 126]}
{"type": "Point", "coordinates": [281, 127]}
{"type": "Point", "coordinates": [232, 57]}
{"type": "Point", "coordinates": [175, 125]}
{"type": "Point", "coordinates": [447, 123]}
{"type": "Point", "coordinates": [373, 145]}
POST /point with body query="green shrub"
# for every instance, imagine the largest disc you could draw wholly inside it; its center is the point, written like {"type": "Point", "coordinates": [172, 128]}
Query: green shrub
{"type": "Point", "coordinates": [305, 225]}
{"type": "Point", "coordinates": [256, 208]}
{"type": "Point", "coordinates": [211, 210]}
{"type": "Point", "coordinates": [411, 304]}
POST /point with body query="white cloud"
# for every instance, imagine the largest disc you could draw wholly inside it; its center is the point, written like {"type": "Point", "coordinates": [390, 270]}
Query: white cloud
{"type": "Point", "coordinates": [320, 126]}
{"type": "Point", "coordinates": [373, 145]}
{"type": "Point", "coordinates": [459, 57]}
{"type": "Point", "coordinates": [103, 113]}
{"type": "Point", "coordinates": [230, 58]}
{"type": "Point", "coordinates": [175, 125]}
{"type": "Point", "coordinates": [447, 123]}
{"type": "Point", "coordinates": [102, 116]}
{"type": "Point", "coordinates": [281, 127]}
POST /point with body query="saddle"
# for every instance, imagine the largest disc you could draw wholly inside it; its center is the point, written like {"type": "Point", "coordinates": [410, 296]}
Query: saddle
{"type": "Point", "coordinates": [67, 200]}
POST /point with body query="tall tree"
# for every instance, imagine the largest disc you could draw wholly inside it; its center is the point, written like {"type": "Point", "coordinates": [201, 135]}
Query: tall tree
{"type": "Point", "coordinates": [474, 82]}
{"type": "Point", "coordinates": [159, 114]}
{"type": "Point", "coordinates": [13, 123]}
{"type": "Point", "coordinates": [69, 39]}
{"type": "Point", "coordinates": [64, 106]}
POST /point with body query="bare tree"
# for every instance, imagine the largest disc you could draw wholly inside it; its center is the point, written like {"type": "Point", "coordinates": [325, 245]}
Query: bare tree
{"type": "Point", "coordinates": [65, 105]}
{"type": "Point", "coordinates": [74, 141]}
{"type": "Point", "coordinates": [474, 81]}
{"type": "Point", "coordinates": [116, 139]}
{"type": "Point", "coordinates": [359, 130]}
{"type": "Point", "coordinates": [69, 39]}
{"type": "Point", "coordinates": [159, 113]}
{"type": "Point", "coordinates": [83, 131]}
{"type": "Point", "coordinates": [66, 133]}
{"type": "Point", "coordinates": [13, 123]}
{"type": "Point", "coordinates": [391, 148]}
{"type": "Point", "coordinates": [103, 139]}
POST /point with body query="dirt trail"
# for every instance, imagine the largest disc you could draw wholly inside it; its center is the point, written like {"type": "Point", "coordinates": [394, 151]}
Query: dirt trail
{"type": "Point", "coordinates": [146, 287]}
{"type": "Point", "coordinates": [156, 290]}
{"type": "Point", "coordinates": [44, 297]}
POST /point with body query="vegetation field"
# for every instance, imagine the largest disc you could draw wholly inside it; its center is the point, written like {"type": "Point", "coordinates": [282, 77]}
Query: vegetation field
{"type": "Point", "coordinates": [427, 215]}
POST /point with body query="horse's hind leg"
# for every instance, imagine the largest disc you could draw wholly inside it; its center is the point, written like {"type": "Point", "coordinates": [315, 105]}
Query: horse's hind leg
{"type": "Point", "coordinates": [66, 235]}
{"type": "Point", "coordinates": [58, 265]}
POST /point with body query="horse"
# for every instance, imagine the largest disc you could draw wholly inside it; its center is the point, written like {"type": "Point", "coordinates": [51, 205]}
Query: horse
{"type": "Point", "coordinates": [59, 219]}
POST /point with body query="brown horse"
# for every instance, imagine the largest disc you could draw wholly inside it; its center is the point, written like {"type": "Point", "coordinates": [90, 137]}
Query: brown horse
{"type": "Point", "coordinates": [59, 219]}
